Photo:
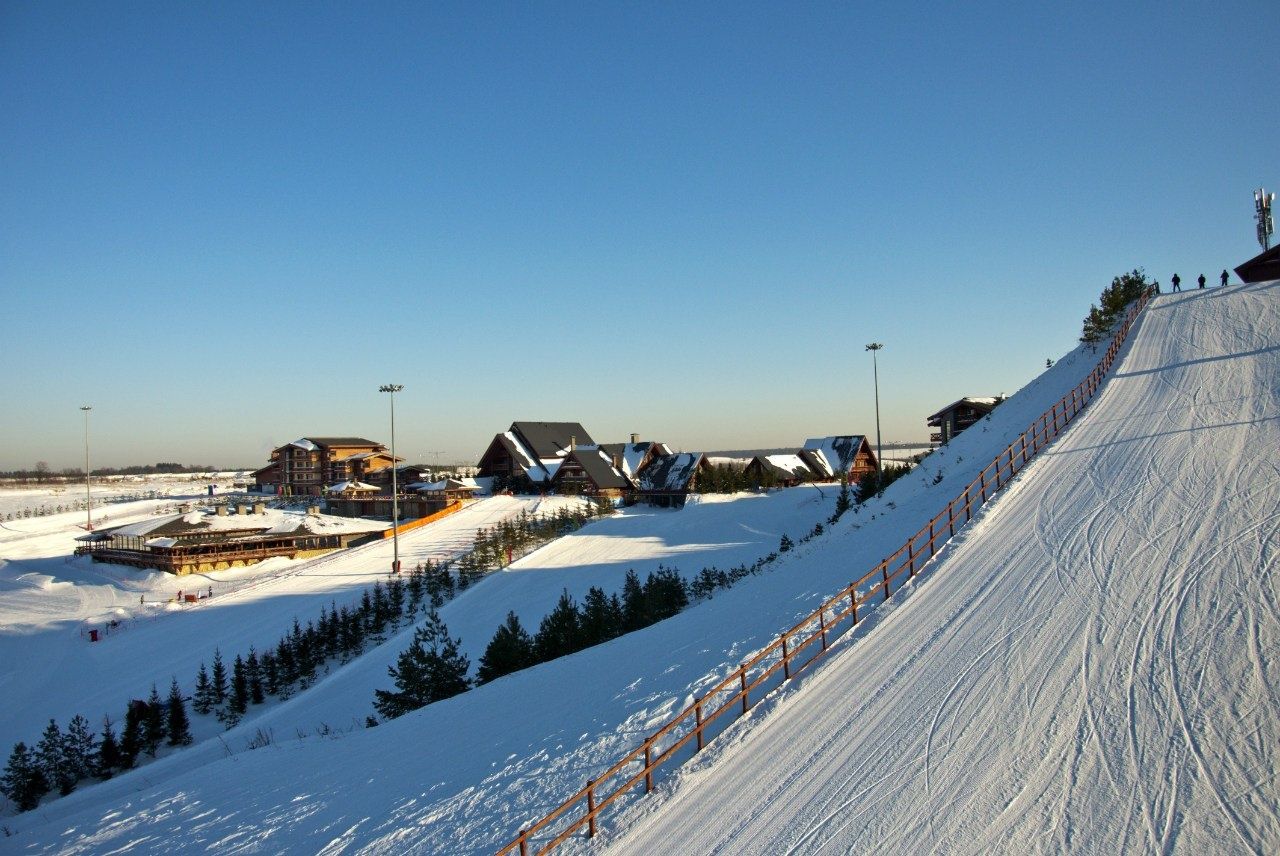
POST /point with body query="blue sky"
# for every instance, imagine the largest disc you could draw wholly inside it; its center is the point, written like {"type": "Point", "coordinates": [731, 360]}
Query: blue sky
{"type": "Point", "coordinates": [224, 225]}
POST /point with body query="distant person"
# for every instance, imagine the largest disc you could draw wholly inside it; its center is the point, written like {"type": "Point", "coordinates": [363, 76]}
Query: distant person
{"type": "Point", "coordinates": [1201, 280]}
{"type": "Point", "coordinates": [1177, 282]}
{"type": "Point", "coordinates": [1225, 277]}
{"type": "Point", "coordinates": [1156, 286]}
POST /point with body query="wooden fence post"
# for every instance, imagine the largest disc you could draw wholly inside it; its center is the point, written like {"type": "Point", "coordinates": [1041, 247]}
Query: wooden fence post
{"type": "Point", "coordinates": [591, 808]}
{"type": "Point", "coordinates": [885, 573]}
{"type": "Point", "coordinates": [697, 712]}
{"type": "Point", "coordinates": [742, 676]}
{"type": "Point", "coordinates": [822, 626]}
{"type": "Point", "coordinates": [648, 769]}
{"type": "Point", "coordinates": [911, 557]}
{"type": "Point", "coordinates": [524, 843]}
{"type": "Point", "coordinates": [853, 603]}
{"type": "Point", "coordinates": [786, 660]}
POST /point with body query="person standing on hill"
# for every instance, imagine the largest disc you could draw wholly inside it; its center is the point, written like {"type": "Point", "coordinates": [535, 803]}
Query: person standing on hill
{"type": "Point", "coordinates": [1225, 277]}
{"type": "Point", "coordinates": [1201, 280]}
{"type": "Point", "coordinates": [1177, 281]}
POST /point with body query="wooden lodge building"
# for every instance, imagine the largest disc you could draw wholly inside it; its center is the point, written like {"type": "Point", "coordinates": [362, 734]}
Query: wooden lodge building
{"type": "Point", "coordinates": [668, 481]}
{"type": "Point", "coordinates": [959, 415]}
{"type": "Point", "coordinates": [202, 541]}
{"type": "Point", "coordinates": [591, 471]}
{"type": "Point", "coordinates": [531, 450]}
{"type": "Point", "coordinates": [305, 466]}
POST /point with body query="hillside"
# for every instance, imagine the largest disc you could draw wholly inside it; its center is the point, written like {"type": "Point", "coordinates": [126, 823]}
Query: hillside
{"type": "Point", "coordinates": [461, 776]}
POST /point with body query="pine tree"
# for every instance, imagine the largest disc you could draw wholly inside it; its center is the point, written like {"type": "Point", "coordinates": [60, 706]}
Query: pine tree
{"type": "Point", "coordinates": [785, 545]}
{"type": "Point", "coordinates": [559, 633]}
{"type": "Point", "coordinates": [202, 699]}
{"type": "Point", "coordinates": [600, 619]}
{"type": "Point", "coordinates": [51, 755]}
{"type": "Point", "coordinates": [429, 670]}
{"type": "Point", "coordinates": [844, 499]}
{"type": "Point", "coordinates": [23, 782]}
{"type": "Point", "coordinates": [179, 726]}
{"type": "Point", "coordinates": [219, 678]}
{"type": "Point", "coordinates": [239, 688]}
{"type": "Point", "coordinates": [510, 650]}
{"type": "Point", "coordinates": [153, 724]}
{"type": "Point", "coordinates": [665, 594]}
{"type": "Point", "coordinates": [80, 747]}
{"type": "Point", "coordinates": [108, 752]}
{"type": "Point", "coordinates": [635, 611]}
{"type": "Point", "coordinates": [253, 673]}
{"type": "Point", "coordinates": [131, 739]}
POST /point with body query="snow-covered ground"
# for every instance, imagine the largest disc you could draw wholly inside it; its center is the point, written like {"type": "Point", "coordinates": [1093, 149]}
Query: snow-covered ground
{"type": "Point", "coordinates": [1090, 667]}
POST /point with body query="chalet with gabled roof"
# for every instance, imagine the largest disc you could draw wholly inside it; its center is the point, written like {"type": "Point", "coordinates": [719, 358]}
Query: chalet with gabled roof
{"type": "Point", "coordinates": [531, 450]}
{"type": "Point", "coordinates": [668, 481]}
{"type": "Point", "coordinates": [631, 458]}
{"type": "Point", "coordinates": [590, 471]}
{"type": "Point", "coordinates": [847, 456]}
{"type": "Point", "coordinates": [959, 415]}
{"type": "Point", "coordinates": [780, 470]}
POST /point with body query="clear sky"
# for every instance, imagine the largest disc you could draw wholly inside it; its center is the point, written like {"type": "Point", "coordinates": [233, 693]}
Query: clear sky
{"type": "Point", "coordinates": [224, 225]}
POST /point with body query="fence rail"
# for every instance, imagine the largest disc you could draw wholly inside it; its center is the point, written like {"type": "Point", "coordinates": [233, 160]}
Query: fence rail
{"type": "Point", "coordinates": [801, 645]}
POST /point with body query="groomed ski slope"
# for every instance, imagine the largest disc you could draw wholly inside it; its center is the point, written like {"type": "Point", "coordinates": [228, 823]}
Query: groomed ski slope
{"type": "Point", "coordinates": [1095, 669]}
{"type": "Point", "coordinates": [462, 776]}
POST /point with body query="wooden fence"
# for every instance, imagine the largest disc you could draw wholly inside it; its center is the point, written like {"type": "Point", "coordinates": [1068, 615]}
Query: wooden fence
{"type": "Point", "coordinates": [806, 641]}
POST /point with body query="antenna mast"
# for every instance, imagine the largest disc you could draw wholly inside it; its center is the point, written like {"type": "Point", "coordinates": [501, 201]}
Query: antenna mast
{"type": "Point", "coordinates": [1266, 226]}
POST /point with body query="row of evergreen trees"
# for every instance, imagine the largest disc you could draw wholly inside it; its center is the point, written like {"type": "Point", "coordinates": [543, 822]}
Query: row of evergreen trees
{"type": "Point", "coordinates": [1102, 317]}
{"type": "Point", "coordinates": [498, 546]}
{"type": "Point", "coordinates": [64, 758]}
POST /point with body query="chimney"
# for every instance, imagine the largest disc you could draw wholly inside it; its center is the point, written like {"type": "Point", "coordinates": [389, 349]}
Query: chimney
{"type": "Point", "coordinates": [222, 511]}
{"type": "Point", "coordinates": [635, 438]}
{"type": "Point", "coordinates": [313, 509]}
{"type": "Point", "coordinates": [259, 508]}
{"type": "Point", "coordinates": [573, 443]}
{"type": "Point", "coordinates": [243, 509]}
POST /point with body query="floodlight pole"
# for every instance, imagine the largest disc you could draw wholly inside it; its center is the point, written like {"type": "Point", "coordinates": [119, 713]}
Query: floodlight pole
{"type": "Point", "coordinates": [393, 388]}
{"type": "Point", "coordinates": [875, 373]}
{"type": "Point", "coordinates": [88, 497]}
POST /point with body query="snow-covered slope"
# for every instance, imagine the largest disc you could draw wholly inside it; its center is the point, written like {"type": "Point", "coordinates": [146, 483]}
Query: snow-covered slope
{"type": "Point", "coordinates": [463, 775]}
{"type": "Point", "coordinates": [1095, 669]}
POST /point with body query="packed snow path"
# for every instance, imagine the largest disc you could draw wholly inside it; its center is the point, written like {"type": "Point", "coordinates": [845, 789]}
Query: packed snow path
{"type": "Point", "coordinates": [1094, 668]}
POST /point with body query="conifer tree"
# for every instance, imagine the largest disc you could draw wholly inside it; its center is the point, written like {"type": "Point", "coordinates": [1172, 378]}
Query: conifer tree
{"type": "Point", "coordinates": [635, 612]}
{"type": "Point", "coordinates": [51, 755]}
{"type": "Point", "coordinates": [153, 724]}
{"type": "Point", "coordinates": [131, 738]}
{"type": "Point", "coordinates": [80, 747]}
{"type": "Point", "coordinates": [559, 633]}
{"type": "Point", "coordinates": [23, 782]}
{"type": "Point", "coordinates": [600, 619]}
{"type": "Point", "coordinates": [429, 670]}
{"type": "Point", "coordinates": [253, 673]}
{"type": "Point", "coordinates": [665, 594]}
{"type": "Point", "coordinates": [510, 650]}
{"type": "Point", "coordinates": [202, 699]}
{"type": "Point", "coordinates": [219, 678]}
{"type": "Point", "coordinates": [108, 751]}
{"type": "Point", "coordinates": [239, 688]}
{"type": "Point", "coordinates": [785, 545]}
{"type": "Point", "coordinates": [178, 725]}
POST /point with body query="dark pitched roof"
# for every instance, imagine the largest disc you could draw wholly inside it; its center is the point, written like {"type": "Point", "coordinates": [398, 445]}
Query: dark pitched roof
{"type": "Point", "coordinates": [330, 442]}
{"type": "Point", "coordinates": [1263, 267]}
{"type": "Point", "coordinates": [545, 439]}
{"type": "Point", "coordinates": [598, 468]}
{"type": "Point", "coordinates": [832, 456]}
{"type": "Point", "coordinates": [984, 405]}
{"type": "Point", "coordinates": [671, 473]}
{"type": "Point", "coordinates": [788, 466]}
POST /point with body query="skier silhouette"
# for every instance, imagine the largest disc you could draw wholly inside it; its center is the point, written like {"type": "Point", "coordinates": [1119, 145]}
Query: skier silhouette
{"type": "Point", "coordinates": [1225, 277]}
{"type": "Point", "coordinates": [1177, 281]}
{"type": "Point", "coordinates": [1201, 280]}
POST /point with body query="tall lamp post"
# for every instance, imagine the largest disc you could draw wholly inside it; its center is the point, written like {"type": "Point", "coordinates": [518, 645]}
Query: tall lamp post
{"type": "Point", "coordinates": [875, 373]}
{"type": "Point", "coordinates": [88, 498]}
{"type": "Point", "coordinates": [393, 388]}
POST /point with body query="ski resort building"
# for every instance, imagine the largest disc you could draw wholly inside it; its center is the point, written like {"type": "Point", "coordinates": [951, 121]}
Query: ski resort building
{"type": "Point", "coordinates": [211, 540]}
{"type": "Point", "coordinates": [305, 466]}
{"type": "Point", "coordinates": [668, 481]}
{"type": "Point", "coordinates": [531, 450]}
{"type": "Point", "coordinates": [846, 456]}
{"type": "Point", "coordinates": [959, 415]}
{"type": "Point", "coordinates": [779, 470]}
{"type": "Point", "coordinates": [590, 471]}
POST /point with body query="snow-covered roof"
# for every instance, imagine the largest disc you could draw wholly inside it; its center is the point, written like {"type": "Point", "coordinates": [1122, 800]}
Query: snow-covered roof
{"type": "Point", "coordinates": [672, 473]}
{"type": "Point", "coordinates": [832, 457]}
{"type": "Point", "coordinates": [981, 402]}
{"type": "Point", "coordinates": [352, 487]}
{"type": "Point", "coordinates": [304, 443]}
{"type": "Point", "coordinates": [790, 466]}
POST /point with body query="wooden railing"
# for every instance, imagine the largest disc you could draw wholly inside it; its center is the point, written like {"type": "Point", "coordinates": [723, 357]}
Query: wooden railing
{"type": "Point", "coordinates": [806, 641]}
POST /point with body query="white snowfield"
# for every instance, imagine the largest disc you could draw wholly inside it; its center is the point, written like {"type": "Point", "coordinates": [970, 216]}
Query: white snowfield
{"type": "Point", "coordinates": [1090, 667]}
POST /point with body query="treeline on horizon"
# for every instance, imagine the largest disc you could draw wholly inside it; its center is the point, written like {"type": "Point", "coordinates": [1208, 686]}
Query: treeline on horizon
{"type": "Point", "coordinates": [42, 473]}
